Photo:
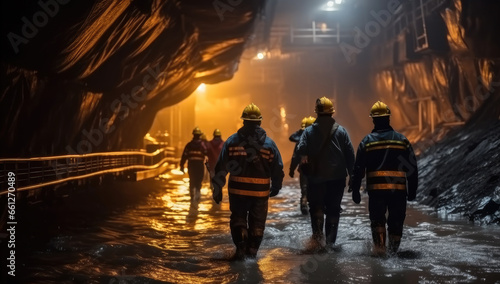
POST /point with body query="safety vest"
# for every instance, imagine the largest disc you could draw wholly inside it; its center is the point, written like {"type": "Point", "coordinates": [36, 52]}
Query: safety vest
{"type": "Point", "coordinates": [251, 181]}
{"type": "Point", "coordinates": [387, 176]}
{"type": "Point", "coordinates": [195, 155]}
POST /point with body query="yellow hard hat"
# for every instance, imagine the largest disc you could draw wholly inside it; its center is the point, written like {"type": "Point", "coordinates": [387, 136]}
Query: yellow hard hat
{"type": "Point", "coordinates": [217, 132]}
{"type": "Point", "coordinates": [252, 113]}
{"type": "Point", "coordinates": [324, 106]}
{"type": "Point", "coordinates": [197, 131]}
{"type": "Point", "coordinates": [303, 123]}
{"type": "Point", "coordinates": [380, 109]}
{"type": "Point", "coordinates": [203, 137]}
{"type": "Point", "coordinates": [310, 120]}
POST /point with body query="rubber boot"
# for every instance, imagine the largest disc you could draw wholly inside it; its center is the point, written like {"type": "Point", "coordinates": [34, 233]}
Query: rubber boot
{"type": "Point", "coordinates": [317, 227]}
{"type": "Point", "coordinates": [253, 246]}
{"type": "Point", "coordinates": [240, 239]}
{"type": "Point", "coordinates": [379, 236]}
{"type": "Point", "coordinates": [331, 228]}
{"type": "Point", "coordinates": [197, 194]}
{"type": "Point", "coordinates": [303, 205]}
{"type": "Point", "coordinates": [394, 242]}
{"type": "Point", "coordinates": [192, 193]}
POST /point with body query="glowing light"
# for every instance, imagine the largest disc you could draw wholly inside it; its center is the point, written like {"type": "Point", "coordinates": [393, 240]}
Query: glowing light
{"type": "Point", "coordinates": [330, 3]}
{"type": "Point", "coordinates": [202, 87]}
{"type": "Point", "coordinates": [260, 55]}
{"type": "Point", "coordinates": [282, 112]}
{"type": "Point", "coordinates": [177, 172]}
{"type": "Point", "coordinates": [338, 2]}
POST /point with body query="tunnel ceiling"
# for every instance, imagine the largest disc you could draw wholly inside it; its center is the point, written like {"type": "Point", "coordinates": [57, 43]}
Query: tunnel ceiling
{"type": "Point", "coordinates": [87, 76]}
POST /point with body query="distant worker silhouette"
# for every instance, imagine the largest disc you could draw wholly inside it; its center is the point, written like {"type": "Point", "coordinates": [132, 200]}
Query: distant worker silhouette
{"type": "Point", "coordinates": [390, 164]}
{"type": "Point", "coordinates": [195, 153]}
{"type": "Point", "coordinates": [214, 148]}
{"type": "Point", "coordinates": [206, 172]}
{"type": "Point", "coordinates": [327, 158]}
{"type": "Point", "coordinates": [255, 169]}
{"type": "Point", "coordinates": [295, 137]}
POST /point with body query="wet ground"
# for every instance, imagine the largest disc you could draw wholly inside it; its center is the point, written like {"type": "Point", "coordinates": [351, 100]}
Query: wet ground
{"type": "Point", "coordinates": [159, 237]}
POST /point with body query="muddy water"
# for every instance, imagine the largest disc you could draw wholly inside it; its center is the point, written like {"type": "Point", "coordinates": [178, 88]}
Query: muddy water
{"type": "Point", "coordinates": [162, 238]}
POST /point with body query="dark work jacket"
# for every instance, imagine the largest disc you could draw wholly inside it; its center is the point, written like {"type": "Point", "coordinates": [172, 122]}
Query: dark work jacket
{"type": "Point", "coordinates": [194, 152]}
{"type": "Point", "coordinates": [253, 161]}
{"type": "Point", "coordinates": [295, 137]}
{"type": "Point", "coordinates": [389, 162]}
{"type": "Point", "coordinates": [336, 158]}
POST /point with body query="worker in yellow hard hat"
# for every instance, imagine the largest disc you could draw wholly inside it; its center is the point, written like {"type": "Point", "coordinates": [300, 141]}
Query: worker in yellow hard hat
{"type": "Point", "coordinates": [295, 137]}
{"type": "Point", "coordinates": [255, 169]}
{"type": "Point", "coordinates": [194, 153]}
{"type": "Point", "coordinates": [390, 165]}
{"type": "Point", "coordinates": [327, 157]}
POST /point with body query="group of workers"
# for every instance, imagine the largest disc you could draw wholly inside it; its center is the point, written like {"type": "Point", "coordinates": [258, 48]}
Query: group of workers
{"type": "Point", "coordinates": [200, 153]}
{"type": "Point", "coordinates": [325, 157]}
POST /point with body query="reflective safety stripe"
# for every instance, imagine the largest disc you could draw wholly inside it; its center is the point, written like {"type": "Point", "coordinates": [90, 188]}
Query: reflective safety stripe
{"type": "Point", "coordinates": [386, 174]}
{"type": "Point", "coordinates": [385, 147]}
{"type": "Point", "coordinates": [249, 192]}
{"type": "Point", "coordinates": [196, 158]}
{"type": "Point", "coordinates": [386, 186]}
{"type": "Point", "coordinates": [195, 152]}
{"type": "Point", "coordinates": [239, 153]}
{"type": "Point", "coordinates": [265, 151]}
{"type": "Point", "coordinates": [236, 148]}
{"type": "Point", "coordinates": [386, 142]}
{"type": "Point", "coordinates": [250, 180]}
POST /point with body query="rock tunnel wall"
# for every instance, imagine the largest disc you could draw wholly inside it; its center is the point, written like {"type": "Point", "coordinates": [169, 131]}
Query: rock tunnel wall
{"type": "Point", "coordinates": [460, 74]}
{"type": "Point", "coordinates": [89, 76]}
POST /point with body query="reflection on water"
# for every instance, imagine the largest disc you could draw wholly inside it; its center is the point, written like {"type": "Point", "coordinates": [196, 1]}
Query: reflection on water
{"type": "Point", "coordinates": [163, 238]}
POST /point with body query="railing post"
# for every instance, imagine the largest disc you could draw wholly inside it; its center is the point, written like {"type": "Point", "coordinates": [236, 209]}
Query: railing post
{"type": "Point", "coordinates": [29, 172]}
{"type": "Point", "coordinates": [338, 32]}
{"type": "Point", "coordinates": [314, 31]}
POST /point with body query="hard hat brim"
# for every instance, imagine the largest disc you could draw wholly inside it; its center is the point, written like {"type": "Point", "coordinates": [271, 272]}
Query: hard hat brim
{"type": "Point", "coordinates": [252, 119]}
{"type": "Point", "coordinates": [380, 115]}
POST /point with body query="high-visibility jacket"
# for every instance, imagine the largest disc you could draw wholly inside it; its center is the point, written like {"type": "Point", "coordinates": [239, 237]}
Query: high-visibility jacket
{"type": "Point", "coordinates": [194, 152]}
{"type": "Point", "coordinates": [253, 162]}
{"type": "Point", "coordinates": [388, 160]}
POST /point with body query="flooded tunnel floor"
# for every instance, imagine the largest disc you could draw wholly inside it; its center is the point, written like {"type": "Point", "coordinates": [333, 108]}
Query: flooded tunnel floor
{"type": "Point", "coordinates": [162, 238]}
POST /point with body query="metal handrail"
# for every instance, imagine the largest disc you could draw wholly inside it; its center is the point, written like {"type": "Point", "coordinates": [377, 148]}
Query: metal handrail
{"type": "Point", "coordinates": [315, 33]}
{"type": "Point", "coordinates": [36, 172]}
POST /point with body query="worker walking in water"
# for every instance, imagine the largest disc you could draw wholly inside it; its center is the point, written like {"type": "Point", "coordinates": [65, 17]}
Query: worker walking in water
{"type": "Point", "coordinates": [327, 158]}
{"type": "Point", "coordinates": [255, 169]}
{"type": "Point", "coordinates": [389, 162]}
{"type": "Point", "coordinates": [295, 137]}
{"type": "Point", "coordinates": [214, 148]}
{"type": "Point", "coordinates": [195, 153]}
